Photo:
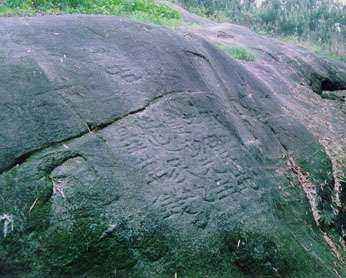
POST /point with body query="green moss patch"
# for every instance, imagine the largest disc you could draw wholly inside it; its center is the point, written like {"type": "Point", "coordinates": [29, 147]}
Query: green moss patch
{"type": "Point", "coordinates": [257, 254]}
{"type": "Point", "coordinates": [85, 249]}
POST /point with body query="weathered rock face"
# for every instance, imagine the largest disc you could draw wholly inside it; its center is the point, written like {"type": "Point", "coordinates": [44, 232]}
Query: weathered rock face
{"type": "Point", "coordinates": [132, 151]}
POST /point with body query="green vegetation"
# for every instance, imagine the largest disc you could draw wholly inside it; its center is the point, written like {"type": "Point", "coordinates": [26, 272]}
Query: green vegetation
{"type": "Point", "coordinates": [320, 22]}
{"type": "Point", "coordinates": [314, 47]}
{"type": "Point", "coordinates": [239, 53]}
{"type": "Point", "coordinates": [143, 10]}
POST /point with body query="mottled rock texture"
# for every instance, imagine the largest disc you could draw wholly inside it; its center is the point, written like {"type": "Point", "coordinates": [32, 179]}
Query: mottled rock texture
{"type": "Point", "coordinates": [128, 150]}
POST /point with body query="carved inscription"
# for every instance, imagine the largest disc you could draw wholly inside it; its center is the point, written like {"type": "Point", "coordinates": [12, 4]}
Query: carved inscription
{"type": "Point", "coordinates": [186, 154]}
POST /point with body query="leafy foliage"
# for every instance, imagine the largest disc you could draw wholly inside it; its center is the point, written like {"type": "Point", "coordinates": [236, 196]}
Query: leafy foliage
{"type": "Point", "coordinates": [144, 10]}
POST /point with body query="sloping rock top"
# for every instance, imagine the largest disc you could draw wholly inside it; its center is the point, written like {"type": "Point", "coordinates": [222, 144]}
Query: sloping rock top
{"type": "Point", "coordinates": [131, 150]}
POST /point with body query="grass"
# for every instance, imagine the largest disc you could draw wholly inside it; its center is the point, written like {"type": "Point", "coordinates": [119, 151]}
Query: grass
{"type": "Point", "coordinates": [315, 48]}
{"type": "Point", "coordinates": [238, 53]}
{"type": "Point", "coordinates": [142, 10]}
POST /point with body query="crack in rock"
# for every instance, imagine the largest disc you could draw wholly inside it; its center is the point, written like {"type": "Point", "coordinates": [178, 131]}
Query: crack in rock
{"type": "Point", "coordinates": [24, 157]}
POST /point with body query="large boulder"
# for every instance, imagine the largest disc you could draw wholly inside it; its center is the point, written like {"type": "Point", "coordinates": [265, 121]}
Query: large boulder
{"type": "Point", "coordinates": [130, 150]}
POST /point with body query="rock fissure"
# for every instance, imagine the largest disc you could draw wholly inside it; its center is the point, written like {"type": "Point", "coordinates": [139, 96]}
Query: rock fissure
{"type": "Point", "coordinates": [139, 110]}
{"type": "Point", "coordinates": [24, 157]}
